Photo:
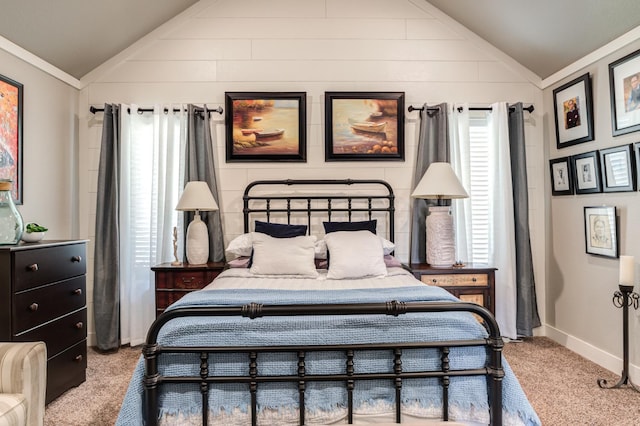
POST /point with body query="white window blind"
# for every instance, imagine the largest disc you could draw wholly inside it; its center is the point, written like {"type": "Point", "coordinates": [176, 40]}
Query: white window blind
{"type": "Point", "coordinates": [479, 194]}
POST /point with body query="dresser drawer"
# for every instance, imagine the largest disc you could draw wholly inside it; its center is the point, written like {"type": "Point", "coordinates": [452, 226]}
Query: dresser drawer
{"type": "Point", "coordinates": [37, 306]}
{"type": "Point", "coordinates": [456, 280]}
{"type": "Point", "coordinates": [59, 334]}
{"type": "Point", "coordinates": [185, 280]}
{"type": "Point", "coordinates": [65, 370]}
{"type": "Point", "coordinates": [48, 264]}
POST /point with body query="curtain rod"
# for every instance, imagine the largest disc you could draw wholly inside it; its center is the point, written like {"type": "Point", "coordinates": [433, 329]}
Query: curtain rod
{"type": "Point", "coordinates": [529, 108]}
{"type": "Point", "coordinates": [93, 110]}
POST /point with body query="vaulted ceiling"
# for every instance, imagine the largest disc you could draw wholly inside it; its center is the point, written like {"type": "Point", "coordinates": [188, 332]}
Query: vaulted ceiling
{"type": "Point", "coordinates": [542, 35]}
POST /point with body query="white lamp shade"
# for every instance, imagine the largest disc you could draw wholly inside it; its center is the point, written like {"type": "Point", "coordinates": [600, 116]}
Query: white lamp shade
{"type": "Point", "coordinates": [439, 182]}
{"type": "Point", "coordinates": [197, 197]}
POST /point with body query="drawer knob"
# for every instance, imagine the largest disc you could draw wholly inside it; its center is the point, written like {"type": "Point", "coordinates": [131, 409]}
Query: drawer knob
{"type": "Point", "coordinates": [434, 280]}
{"type": "Point", "coordinates": [76, 259]}
{"type": "Point", "coordinates": [33, 307]}
{"type": "Point", "coordinates": [79, 358]}
{"type": "Point", "coordinates": [79, 325]}
{"type": "Point", "coordinates": [474, 279]}
{"type": "Point", "coordinates": [77, 291]}
{"type": "Point", "coordinates": [188, 280]}
{"type": "Point", "coordinates": [33, 267]}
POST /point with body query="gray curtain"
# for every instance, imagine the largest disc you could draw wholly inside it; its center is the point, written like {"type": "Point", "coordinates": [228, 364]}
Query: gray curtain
{"type": "Point", "coordinates": [527, 316]}
{"type": "Point", "coordinates": [433, 146]}
{"type": "Point", "coordinates": [200, 166]}
{"type": "Point", "coordinates": [106, 275]}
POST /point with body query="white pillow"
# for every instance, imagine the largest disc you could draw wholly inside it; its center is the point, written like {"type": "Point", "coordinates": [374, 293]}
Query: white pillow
{"type": "Point", "coordinates": [283, 256]}
{"type": "Point", "coordinates": [241, 245]}
{"type": "Point", "coordinates": [321, 247]}
{"type": "Point", "coordinates": [355, 254]}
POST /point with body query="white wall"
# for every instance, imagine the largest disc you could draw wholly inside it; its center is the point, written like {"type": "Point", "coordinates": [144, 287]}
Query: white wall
{"type": "Point", "coordinates": [50, 147]}
{"type": "Point", "coordinates": [580, 287]}
{"type": "Point", "coordinates": [312, 46]}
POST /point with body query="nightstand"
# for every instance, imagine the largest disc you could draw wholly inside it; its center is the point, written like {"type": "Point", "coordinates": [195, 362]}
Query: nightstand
{"type": "Point", "coordinates": [174, 281]}
{"type": "Point", "coordinates": [470, 283]}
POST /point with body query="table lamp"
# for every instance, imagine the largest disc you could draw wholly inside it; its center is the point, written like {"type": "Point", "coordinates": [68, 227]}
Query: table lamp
{"type": "Point", "coordinates": [197, 197]}
{"type": "Point", "coordinates": [440, 183]}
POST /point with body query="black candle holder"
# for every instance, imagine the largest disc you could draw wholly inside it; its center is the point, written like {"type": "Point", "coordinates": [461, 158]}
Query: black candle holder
{"type": "Point", "coordinates": [624, 298]}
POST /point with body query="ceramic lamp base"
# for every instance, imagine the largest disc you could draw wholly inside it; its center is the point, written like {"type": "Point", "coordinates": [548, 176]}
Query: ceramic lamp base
{"type": "Point", "coordinates": [197, 242]}
{"type": "Point", "coordinates": [441, 249]}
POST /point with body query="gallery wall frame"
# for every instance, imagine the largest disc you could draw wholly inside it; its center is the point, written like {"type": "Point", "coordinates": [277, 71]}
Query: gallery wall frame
{"type": "Point", "coordinates": [586, 172]}
{"type": "Point", "coordinates": [11, 107]}
{"type": "Point", "coordinates": [561, 176]}
{"type": "Point", "coordinates": [601, 231]}
{"type": "Point", "coordinates": [266, 126]}
{"type": "Point", "coordinates": [618, 166]}
{"type": "Point", "coordinates": [364, 126]}
{"type": "Point", "coordinates": [636, 151]}
{"type": "Point", "coordinates": [573, 106]}
{"type": "Point", "coordinates": [624, 83]}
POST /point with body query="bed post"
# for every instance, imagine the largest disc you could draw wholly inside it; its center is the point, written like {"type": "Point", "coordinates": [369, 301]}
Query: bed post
{"type": "Point", "coordinates": [150, 413]}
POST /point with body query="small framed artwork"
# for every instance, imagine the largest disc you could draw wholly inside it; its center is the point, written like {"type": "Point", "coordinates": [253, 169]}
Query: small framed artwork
{"type": "Point", "coordinates": [636, 150]}
{"type": "Point", "coordinates": [618, 167]}
{"type": "Point", "coordinates": [266, 126]}
{"type": "Point", "coordinates": [601, 230]}
{"type": "Point", "coordinates": [586, 172]}
{"type": "Point", "coordinates": [573, 106]}
{"type": "Point", "coordinates": [624, 82]}
{"type": "Point", "coordinates": [11, 135]}
{"type": "Point", "coordinates": [364, 126]}
{"type": "Point", "coordinates": [561, 176]}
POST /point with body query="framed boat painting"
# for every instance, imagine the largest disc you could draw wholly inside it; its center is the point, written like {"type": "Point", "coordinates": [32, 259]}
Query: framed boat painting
{"type": "Point", "coordinates": [11, 135]}
{"type": "Point", "coordinates": [573, 108]}
{"type": "Point", "coordinates": [266, 126]}
{"type": "Point", "coordinates": [365, 126]}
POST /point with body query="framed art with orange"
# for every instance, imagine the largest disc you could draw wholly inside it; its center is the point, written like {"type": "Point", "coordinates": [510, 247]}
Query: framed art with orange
{"type": "Point", "coordinates": [11, 134]}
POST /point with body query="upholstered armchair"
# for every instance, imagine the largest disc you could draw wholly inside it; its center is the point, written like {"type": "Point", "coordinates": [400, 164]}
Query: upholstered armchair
{"type": "Point", "coordinates": [23, 382]}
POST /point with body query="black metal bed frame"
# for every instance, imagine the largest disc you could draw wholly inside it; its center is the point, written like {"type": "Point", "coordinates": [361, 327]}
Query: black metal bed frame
{"type": "Point", "coordinates": [493, 369]}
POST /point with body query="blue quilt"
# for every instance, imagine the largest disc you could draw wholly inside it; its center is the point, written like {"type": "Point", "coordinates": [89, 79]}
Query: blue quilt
{"type": "Point", "coordinates": [466, 393]}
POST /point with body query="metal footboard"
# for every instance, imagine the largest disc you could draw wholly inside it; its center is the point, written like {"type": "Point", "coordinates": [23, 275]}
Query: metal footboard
{"type": "Point", "coordinates": [493, 370]}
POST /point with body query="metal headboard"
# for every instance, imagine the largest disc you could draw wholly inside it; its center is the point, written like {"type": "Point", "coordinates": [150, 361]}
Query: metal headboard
{"type": "Point", "coordinates": [373, 196]}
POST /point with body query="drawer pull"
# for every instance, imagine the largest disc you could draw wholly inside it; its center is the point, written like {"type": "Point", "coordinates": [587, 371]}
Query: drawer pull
{"type": "Point", "coordinates": [79, 358]}
{"type": "Point", "coordinates": [33, 267]}
{"type": "Point", "coordinates": [434, 280]}
{"type": "Point", "coordinates": [33, 307]}
{"type": "Point", "coordinates": [77, 291]}
{"type": "Point", "coordinates": [79, 325]}
{"type": "Point", "coordinates": [474, 279]}
{"type": "Point", "coordinates": [188, 280]}
{"type": "Point", "coordinates": [76, 259]}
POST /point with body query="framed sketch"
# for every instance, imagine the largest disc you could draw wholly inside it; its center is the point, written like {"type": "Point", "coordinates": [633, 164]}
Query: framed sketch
{"type": "Point", "coordinates": [11, 135]}
{"type": "Point", "coordinates": [266, 126]}
{"type": "Point", "coordinates": [618, 167]}
{"type": "Point", "coordinates": [586, 172]}
{"type": "Point", "coordinates": [624, 82]}
{"type": "Point", "coordinates": [364, 126]}
{"type": "Point", "coordinates": [561, 176]}
{"type": "Point", "coordinates": [636, 150]}
{"type": "Point", "coordinates": [573, 106]}
{"type": "Point", "coordinates": [601, 231]}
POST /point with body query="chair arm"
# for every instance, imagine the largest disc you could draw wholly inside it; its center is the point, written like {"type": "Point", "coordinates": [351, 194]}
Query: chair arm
{"type": "Point", "coordinates": [23, 369]}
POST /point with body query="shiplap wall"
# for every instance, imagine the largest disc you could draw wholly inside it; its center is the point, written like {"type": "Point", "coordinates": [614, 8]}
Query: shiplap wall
{"type": "Point", "coordinates": [312, 46]}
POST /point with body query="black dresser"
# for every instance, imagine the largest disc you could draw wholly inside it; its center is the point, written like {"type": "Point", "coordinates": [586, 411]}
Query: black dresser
{"type": "Point", "coordinates": [43, 297]}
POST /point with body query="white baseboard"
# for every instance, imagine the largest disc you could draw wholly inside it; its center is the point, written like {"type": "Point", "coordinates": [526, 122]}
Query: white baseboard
{"type": "Point", "coordinates": [592, 353]}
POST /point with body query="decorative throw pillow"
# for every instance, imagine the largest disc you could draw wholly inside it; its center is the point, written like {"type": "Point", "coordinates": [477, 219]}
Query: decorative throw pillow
{"type": "Point", "coordinates": [283, 256]}
{"type": "Point", "coordinates": [366, 225]}
{"type": "Point", "coordinates": [321, 248]}
{"type": "Point", "coordinates": [355, 254]}
{"type": "Point", "coordinates": [280, 230]}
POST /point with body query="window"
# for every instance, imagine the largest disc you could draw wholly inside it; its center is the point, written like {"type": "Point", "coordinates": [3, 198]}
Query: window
{"type": "Point", "coordinates": [479, 190]}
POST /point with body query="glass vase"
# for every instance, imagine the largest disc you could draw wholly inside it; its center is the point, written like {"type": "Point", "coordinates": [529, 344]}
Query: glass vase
{"type": "Point", "coordinates": [11, 224]}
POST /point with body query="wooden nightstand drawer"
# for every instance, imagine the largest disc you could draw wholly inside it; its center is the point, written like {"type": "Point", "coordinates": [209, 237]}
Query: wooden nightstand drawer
{"type": "Point", "coordinates": [174, 281]}
{"type": "Point", "coordinates": [456, 280]}
{"type": "Point", "coordinates": [188, 280]}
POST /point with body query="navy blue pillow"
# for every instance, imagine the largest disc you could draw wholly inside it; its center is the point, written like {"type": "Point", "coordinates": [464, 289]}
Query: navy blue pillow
{"type": "Point", "coordinates": [280, 230]}
{"type": "Point", "coordinates": [365, 225]}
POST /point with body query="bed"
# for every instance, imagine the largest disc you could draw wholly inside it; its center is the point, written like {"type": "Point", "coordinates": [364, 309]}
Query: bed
{"type": "Point", "coordinates": [315, 322]}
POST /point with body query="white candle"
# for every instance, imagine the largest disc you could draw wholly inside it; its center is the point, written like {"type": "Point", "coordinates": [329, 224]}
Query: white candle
{"type": "Point", "coordinates": [627, 270]}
